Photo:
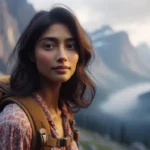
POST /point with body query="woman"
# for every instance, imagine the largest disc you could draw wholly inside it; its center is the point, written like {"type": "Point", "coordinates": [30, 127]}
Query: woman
{"type": "Point", "coordinates": [52, 56]}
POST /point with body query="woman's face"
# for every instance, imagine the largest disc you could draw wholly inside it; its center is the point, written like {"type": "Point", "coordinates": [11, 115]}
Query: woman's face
{"type": "Point", "coordinates": [56, 55]}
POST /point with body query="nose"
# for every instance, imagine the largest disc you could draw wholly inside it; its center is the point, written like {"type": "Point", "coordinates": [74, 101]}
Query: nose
{"type": "Point", "coordinates": [62, 57]}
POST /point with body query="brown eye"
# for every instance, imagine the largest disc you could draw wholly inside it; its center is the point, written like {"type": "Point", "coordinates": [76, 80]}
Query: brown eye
{"type": "Point", "coordinates": [71, 46]}
{"type": "Point", "coordinates": [49, 46]}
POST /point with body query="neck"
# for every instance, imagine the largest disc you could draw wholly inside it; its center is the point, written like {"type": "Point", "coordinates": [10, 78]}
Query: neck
{"type": "Point", "coordinates": [50, 94]}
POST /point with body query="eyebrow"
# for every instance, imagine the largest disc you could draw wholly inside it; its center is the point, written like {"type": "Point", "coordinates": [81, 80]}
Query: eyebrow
{"type": "Point", "coordinates": [56, 39]}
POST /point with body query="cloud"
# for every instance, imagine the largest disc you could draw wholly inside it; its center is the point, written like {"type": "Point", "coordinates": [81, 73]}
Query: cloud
{"type": "Point", "coordinates": [124, 14]}
{"type": "Point", "coordinates": [108, 11]}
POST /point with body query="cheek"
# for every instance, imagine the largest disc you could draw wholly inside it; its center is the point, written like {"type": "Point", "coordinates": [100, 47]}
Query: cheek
{"type": "Point", "coordinates": [43, 59]}
{"type": "Point", "coordinates": [75, 60]}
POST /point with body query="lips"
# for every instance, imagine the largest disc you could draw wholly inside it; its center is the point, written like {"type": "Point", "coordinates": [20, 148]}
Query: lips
{"type": "Point", "coordinates": [61, 67]}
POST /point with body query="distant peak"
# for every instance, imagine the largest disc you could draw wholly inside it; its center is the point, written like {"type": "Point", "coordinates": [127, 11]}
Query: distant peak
{"type": "Point", "coordinates": [101, 32]}
{"type": "Point", "coordinates": [106, 27]}
{"type": "Point", "coordinates": [103, 29]}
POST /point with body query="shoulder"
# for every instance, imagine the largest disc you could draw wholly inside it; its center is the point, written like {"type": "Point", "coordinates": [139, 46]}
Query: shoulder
{"type": "Point", "coordinates": [14, 117]}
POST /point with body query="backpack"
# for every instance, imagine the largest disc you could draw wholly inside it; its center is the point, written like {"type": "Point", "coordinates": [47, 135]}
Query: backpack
{"type": "Point", "coordinates": [41, 137]}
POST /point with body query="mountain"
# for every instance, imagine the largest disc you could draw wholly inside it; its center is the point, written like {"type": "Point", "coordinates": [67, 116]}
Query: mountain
{"type": "Point", "coordinates": [117, 55]}
{"type": "Point", "coordinates": [105, 77]}
{"type": "Point", "coordinates": [143, 51]}
{"type": "Point", "coordinates": [21, 11]}
{"type": "Point", "coordinates": [14, 16]}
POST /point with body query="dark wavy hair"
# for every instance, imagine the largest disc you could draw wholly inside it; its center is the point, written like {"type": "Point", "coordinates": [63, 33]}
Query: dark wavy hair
{"type": "Point", "coordinates": [79, 90]}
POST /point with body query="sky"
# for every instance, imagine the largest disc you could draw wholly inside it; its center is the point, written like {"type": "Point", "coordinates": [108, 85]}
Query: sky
{"type": "Point", "coordinates": [132, 16]}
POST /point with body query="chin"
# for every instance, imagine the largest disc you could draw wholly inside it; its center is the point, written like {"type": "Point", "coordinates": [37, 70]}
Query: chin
{"type": "Point", "coordinates": [61, 79]}
{"type": "Point", "coordinates": [64, 80]}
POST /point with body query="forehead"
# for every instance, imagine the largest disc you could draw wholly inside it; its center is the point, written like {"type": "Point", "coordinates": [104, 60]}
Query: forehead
{"type": "Point", "coordinates": [59, 31]}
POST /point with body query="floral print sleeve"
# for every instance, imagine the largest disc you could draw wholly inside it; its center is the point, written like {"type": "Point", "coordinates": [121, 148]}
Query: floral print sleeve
{"type": "Point", "coordinates": [15, 129]}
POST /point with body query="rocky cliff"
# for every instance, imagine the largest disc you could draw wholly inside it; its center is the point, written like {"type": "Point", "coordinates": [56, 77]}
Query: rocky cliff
{"type": "Point", "coordinates": [14, 16]}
